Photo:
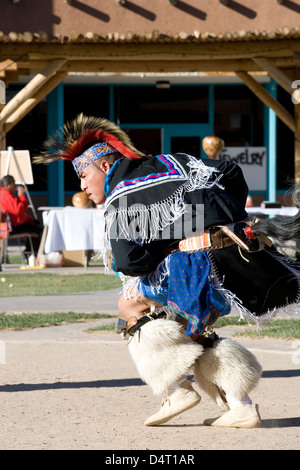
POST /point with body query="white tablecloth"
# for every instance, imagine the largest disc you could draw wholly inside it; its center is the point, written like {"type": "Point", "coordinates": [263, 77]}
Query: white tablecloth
{"type": "Point", "coordinates": [73, 229]}
{"type": "Point", "coordinates": [275, 211]}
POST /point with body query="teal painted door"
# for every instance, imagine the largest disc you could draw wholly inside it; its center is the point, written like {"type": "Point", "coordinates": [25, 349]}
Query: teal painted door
{"type": "Point", "coordinates": [185, 138]}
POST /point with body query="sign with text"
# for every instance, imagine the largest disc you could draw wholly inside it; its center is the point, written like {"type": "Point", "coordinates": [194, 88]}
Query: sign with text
{"type": "Point", "coordinates": [253, 162]}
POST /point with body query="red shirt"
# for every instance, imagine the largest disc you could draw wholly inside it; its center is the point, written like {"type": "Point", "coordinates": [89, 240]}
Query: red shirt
{"type": "Point", "coordinates": [16, 207]}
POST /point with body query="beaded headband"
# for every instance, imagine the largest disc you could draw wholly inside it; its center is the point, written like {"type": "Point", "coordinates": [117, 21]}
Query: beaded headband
{"type": "Point", "coordinates": [93, 153]}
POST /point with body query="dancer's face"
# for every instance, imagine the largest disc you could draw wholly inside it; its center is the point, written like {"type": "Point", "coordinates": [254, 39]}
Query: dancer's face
{"type": "Point", "coordinates": [92, 180]}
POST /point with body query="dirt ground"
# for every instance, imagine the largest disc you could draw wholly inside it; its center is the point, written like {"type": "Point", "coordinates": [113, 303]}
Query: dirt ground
{"type": "Point", "coordinates": [64, 388]}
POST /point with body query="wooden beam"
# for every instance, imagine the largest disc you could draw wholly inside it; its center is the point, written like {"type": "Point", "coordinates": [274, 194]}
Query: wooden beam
{"type": "Point", "coordinates": [9, 77]}
{"type": "Point", "coordinates": [32, 87]}
{"type": "Point", "coordinates": [2, 139]}
{"type": "Point", "coordinates": [31, 102]}
{"type": "Point", "coordinates": [152, 52]}
{"type": "Point", "coordinates": [154, 49]}
{"type": "Point", "coordinates": [274, 72]}
{"type": "Point", "coordinates": [127, 66]}
{"type": "Point", "coordinates": [2, 135]}
{"type": "Point", "coordinates": [168, 66]}
{"type": "Point", "coordinates": [8, 65]}
{"type": "Point", "coordinates": [123, 66]}
{"type": "Point", "coordinates": [208, 50]}
{"type": "Point", "coordinates": [267, 99]}
{"type": "Point", "coordinates": [9, 71]}
{"type": "Point", "coordinates": [297, 144]}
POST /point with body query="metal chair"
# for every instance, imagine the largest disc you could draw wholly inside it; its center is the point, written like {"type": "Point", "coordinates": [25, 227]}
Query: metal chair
{"type": "Point", "coordinates": [6, 237]}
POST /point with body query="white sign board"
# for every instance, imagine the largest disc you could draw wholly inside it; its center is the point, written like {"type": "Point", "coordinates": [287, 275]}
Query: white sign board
{"type": "Point", "coordinates": [10, 165]}
{"type": "Point", "coordinates": [253, 162]}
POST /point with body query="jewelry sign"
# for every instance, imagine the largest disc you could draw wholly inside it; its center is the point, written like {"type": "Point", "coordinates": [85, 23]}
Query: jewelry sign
{"type": "Point", "coordinates": [253, 162]}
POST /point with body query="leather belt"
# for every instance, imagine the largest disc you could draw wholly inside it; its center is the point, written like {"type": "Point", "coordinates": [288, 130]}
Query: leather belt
{"type": "Point", "coordinates": [224, 236]}
{"type": "Point", "coordinates": [219, 239]}
{"type": "Point", "coordinates": [212, 239]}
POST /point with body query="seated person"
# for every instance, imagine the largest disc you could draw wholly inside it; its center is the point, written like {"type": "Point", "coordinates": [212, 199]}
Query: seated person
{"type": "Point", "coordinates": [16, 207]}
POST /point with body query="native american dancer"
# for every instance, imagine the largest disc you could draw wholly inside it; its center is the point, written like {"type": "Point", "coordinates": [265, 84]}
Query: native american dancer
{"type": "Point", "coordinates": [179, 235]}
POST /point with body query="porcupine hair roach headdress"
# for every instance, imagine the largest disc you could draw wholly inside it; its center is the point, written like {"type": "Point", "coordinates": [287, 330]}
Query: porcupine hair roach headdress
{"type": "Point", "coordinates": [85, 139]}
{"type": "Point", "coordinates": [282, 228]}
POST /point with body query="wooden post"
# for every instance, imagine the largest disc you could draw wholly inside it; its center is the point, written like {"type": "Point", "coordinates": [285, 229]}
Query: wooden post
{"type": "Point", "coordinates": [267, 99]}
{"type": "Point", "coordinates": [297, 144]}
{"type": "Point", "coordinates": [30, 103]}
{"type": "Point", "coordinates": [32, 87]}
{"type": "Point", "coordinates": [2, 138]}
{"type": "Point", "coordinates": [2, 131]}
{"type": "Point", "coordinates": [277, 74]}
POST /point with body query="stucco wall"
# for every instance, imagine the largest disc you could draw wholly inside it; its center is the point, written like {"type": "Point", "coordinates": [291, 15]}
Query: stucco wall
{"type": "Point", "coordinates": [57, 16]}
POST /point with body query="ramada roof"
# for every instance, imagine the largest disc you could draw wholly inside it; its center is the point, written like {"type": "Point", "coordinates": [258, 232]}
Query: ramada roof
{"type": "Point", "coordinates": [153, 37]}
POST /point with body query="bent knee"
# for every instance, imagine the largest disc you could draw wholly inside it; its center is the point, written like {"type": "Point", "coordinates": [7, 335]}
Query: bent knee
{"type": "Point", "coordinates": [122, 305]}
{"type": "Point", "coordinates": [134, 307]}
{"type": "Point", "coordinates": [130, 308]}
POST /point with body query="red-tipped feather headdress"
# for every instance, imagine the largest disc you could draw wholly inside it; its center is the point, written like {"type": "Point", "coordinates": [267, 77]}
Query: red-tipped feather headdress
{"type": "Point", "coordinates": [82, 132]}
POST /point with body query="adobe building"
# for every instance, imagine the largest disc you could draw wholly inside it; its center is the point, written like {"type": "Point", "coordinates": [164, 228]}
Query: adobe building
{"type": "Point", "coordinates": [170, 72]}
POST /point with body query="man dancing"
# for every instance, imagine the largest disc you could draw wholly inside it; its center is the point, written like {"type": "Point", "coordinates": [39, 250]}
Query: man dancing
{"type": "Point", "coordinates": [178, 232]}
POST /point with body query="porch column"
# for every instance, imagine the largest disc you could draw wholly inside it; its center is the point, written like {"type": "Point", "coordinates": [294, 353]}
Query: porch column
{"type": "Point", "coordinates": [55, 120]}
{"type": "Point", "coordinates": [271, 144]}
